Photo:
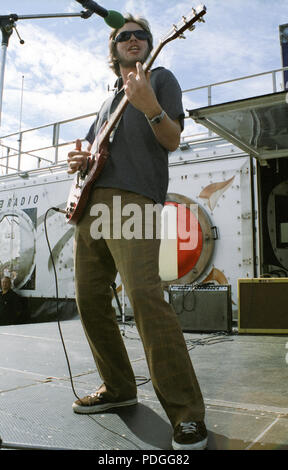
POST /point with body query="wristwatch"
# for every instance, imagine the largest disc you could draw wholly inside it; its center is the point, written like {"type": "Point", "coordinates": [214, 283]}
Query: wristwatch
{"type": "Point", "coordinates": [156, 119]}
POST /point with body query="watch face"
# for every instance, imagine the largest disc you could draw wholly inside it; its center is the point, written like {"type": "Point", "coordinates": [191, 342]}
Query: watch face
{"type": "Point", "coordinates": [158, 118]}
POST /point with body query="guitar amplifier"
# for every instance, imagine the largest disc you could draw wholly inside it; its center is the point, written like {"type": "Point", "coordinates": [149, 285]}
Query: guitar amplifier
{"type": "Point", "coordinates": [202, 308]}
{"type": "Point", "coordinates": [263, 305]}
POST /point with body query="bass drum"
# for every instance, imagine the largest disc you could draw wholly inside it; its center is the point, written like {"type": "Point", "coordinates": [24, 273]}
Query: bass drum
{"type": "Point", "coordinates": [187, 241]}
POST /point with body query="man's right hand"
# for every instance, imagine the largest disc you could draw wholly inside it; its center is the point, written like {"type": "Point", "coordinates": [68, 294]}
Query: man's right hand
{"type": "Point", "coordinates": [77, 159]}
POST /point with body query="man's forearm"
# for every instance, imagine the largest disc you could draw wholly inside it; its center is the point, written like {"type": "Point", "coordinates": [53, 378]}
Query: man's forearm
{"type": "Point", "coordinates": [167, 131]}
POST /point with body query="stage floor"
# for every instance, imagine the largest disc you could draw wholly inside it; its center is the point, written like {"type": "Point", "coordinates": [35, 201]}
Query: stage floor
{"type": "Point", "coordinates": [243, 379]}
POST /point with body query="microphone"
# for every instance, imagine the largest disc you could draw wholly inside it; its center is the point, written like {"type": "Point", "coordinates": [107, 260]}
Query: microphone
{"type": "Point", "coordinates": [111, 17]}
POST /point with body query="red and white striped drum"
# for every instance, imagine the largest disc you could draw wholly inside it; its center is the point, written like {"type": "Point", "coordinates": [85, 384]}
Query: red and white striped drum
{"type": "Point", "coordinates": [187, 240]}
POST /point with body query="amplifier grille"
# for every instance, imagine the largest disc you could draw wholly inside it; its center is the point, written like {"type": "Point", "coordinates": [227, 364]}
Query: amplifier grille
{"type": "Point", "coordinates": [202, 308]}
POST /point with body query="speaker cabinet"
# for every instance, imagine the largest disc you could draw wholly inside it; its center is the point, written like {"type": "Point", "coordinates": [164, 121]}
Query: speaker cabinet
{"type": "Point", "coordinates": [203, 308]}
{"type": "Point", "coordinates": [263, 305]}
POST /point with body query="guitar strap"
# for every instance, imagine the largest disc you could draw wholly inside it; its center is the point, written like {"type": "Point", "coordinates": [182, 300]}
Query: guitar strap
{"type": "Point", "coordinates": [118, 95]}
{"type": "Point", "coordinates": [111, 103]}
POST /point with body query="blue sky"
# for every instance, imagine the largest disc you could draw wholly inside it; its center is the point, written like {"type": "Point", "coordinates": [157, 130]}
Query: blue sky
{"type": "Point", "coordinates": [64, 61]}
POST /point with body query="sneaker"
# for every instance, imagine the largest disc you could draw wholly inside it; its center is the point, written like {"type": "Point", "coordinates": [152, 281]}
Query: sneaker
{"type": "Point", "coordinates": [190, 436]}
{"type": "Point", "coordinates": [96, 403]}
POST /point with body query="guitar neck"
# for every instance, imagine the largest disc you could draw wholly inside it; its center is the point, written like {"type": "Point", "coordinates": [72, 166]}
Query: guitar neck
{"type": "Point", "coordinates": [115, 117]}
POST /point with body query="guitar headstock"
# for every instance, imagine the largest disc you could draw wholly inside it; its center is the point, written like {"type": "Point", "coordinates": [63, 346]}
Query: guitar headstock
{"type": "Point", "coordinates": [177, 31]}
{"type": "Point", "coordinates": [187, 22]}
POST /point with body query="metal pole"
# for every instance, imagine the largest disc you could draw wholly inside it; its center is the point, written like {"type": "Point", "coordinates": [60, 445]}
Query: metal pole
{"type": "Point", "coordinates": [21, 105]}
{"type": "Point", "coordinates": [2, 72]}
{"type": "Point", "coordinates": [283, 29]}
{"type": "Point", "coordinates": [7, 160]}
{"type": "Point", "coordinates": [20, 127]}
{"type": "Point", "coordinates": [6, 29]}
{"type": "Point", "coordinates": [19, 150]}
{"type": "Point", "coordinates": [82, 14]}
{"type": "Point", "coordinates": [16, 446]}
{"type": "Point", "coordinates": [274, 83]}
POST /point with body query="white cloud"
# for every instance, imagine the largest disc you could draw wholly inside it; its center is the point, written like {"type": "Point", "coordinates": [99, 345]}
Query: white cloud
{"type": "Point", "coordinates": [61, 79]}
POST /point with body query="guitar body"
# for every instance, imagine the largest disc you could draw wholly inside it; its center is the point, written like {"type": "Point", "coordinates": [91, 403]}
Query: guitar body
{"type": "Point", "coordinates": [81, 187]}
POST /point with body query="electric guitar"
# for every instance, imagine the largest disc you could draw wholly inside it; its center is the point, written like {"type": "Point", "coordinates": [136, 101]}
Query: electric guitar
{"type": "Point", "coordinates": [84, 180]}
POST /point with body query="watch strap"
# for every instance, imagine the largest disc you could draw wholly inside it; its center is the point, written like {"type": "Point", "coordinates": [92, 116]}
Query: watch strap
{"type": "Point", "coordinates": [157, 119]}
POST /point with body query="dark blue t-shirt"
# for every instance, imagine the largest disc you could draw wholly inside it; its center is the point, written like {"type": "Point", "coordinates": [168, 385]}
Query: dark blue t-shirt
{"type": "Point", "coordinates": [137, 162]}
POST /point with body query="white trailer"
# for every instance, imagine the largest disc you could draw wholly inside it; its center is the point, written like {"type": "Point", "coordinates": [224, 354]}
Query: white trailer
{"type": "Point", "coordinates": [235, 188]}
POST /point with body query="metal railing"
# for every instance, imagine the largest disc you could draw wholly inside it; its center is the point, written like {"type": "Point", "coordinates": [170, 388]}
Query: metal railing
{"type": "Point", "coordinates": [272, 73]}
{"type": "Point", "coordinates": [48, 145]}
{"type": "Point", "coordinates": [41, 146]}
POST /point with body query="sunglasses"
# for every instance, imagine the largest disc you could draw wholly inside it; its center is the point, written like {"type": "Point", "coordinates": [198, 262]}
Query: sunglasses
{"type": "Point", "coordinates": [140, 34]}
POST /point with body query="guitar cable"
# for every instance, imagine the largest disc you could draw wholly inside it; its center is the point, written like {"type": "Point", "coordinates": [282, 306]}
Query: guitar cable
{"type": "Point", "coordinates": [56, 209]}
{"type": "Point", "coordinates": [144, 379]}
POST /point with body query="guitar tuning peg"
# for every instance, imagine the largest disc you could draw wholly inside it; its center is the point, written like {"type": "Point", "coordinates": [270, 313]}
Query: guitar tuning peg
{"type": "Point", "coordinates": [181, 36]}
{"type": "Point", "coordinates": [201, 19]}
{"type": "Point", "coordinates": [192, 27]}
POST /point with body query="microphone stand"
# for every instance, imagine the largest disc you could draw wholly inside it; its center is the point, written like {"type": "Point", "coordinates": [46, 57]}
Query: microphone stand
{"type": "Point", "coordinates": [7, 24]}
{"type": "Point", "coordinates": [17, 446]}
{"type": "Point", "coordinates": [122, 312]}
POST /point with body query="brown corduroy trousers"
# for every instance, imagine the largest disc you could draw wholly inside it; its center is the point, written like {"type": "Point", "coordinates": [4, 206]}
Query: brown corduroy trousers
{"type": "Point", "coordinates": [97, 261]}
